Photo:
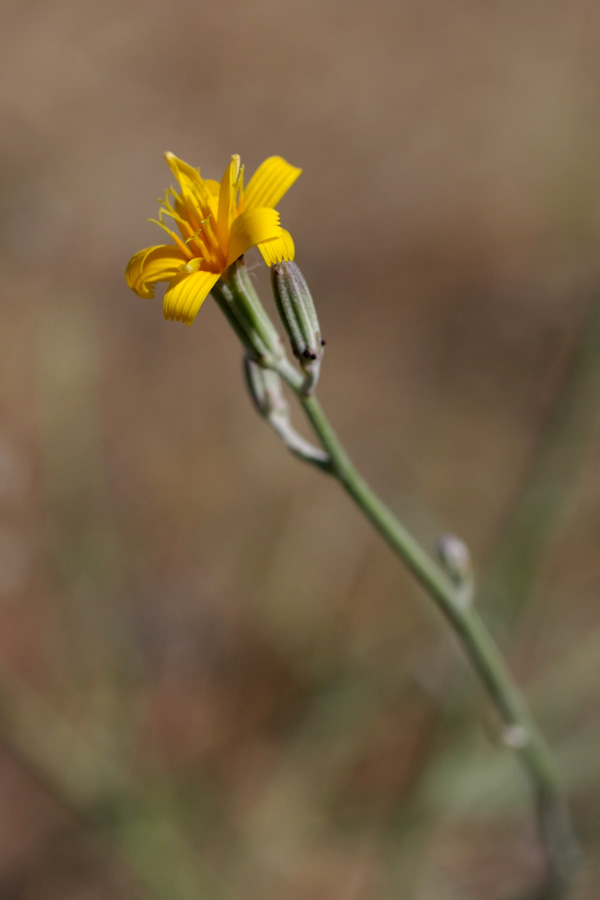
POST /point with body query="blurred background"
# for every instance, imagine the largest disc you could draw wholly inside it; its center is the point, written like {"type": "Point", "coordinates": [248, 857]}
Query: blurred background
{"type": "Point", "coordinates": [215, 680]}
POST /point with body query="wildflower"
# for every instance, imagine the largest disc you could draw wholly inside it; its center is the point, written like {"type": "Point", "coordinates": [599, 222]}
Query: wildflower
{"type": "Point", "coordinates": [218, 223]}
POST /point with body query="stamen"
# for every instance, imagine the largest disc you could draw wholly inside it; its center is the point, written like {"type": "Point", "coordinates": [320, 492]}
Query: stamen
{"type": "Point", "coordinates": [174, 237]}
{"type": "Point", "coordinates": [193, 237]}
{"type": "Point", "coordinates": [218, 256]}
{"type": "Point", "coordinates": [169, 211]}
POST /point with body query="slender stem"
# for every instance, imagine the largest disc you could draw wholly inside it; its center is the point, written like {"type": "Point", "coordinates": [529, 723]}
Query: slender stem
{"type": "Point", "coordinates": [521, 733]}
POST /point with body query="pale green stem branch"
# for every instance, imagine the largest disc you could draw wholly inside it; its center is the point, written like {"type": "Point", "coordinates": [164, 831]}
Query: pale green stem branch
{"type": "Point", "coordinates": [521, 733]}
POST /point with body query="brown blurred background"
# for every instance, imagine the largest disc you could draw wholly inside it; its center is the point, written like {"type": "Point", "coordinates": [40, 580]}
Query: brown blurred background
{"type": "Point", "coordinates": [215, 680]}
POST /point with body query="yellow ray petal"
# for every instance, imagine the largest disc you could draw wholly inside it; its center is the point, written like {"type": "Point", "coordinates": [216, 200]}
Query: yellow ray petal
{"type": "Point", "coordinates": [212, 186]}
{"type": "Point", "coordinates": [227, 196]}
{"type": "Point", "coordinates": [251, 228]}
{"type": "Point", "coordinates": [160, 263]}
{"type": "Point", "coordinates": [270, 182]}
{"type": "Point", "coordinates": [186, 175]}
{"type": "Point", "coordinates": [186, 294]}
{"type": "Point", "coordinates": [281, 247]}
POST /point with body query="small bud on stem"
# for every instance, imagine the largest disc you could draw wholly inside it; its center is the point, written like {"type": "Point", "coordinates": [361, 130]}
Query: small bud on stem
{"type": "Point", "coordinates": [456, 559]}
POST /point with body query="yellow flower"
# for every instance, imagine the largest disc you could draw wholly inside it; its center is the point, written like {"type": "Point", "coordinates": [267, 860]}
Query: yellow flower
{"type": "Point", "coordinates": [217, 224]}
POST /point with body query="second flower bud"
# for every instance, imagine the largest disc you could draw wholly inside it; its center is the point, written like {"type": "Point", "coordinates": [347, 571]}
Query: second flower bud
{"type": "Point", "coordinates": [299, 316]}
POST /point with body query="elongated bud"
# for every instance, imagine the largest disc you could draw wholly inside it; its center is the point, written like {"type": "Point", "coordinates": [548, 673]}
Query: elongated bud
{"type": "Point", "coordinates": [299, 316]}
{"type": "Point", "coordinates": [264, 387]}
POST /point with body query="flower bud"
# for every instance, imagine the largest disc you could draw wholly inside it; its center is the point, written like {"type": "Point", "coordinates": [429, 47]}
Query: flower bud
{"type": "Point", "coordinates": [298, 314]}
{"type": "Point", "coordinates": [264, 387]}
{"type": "Point", "coordinates": [456, 559]}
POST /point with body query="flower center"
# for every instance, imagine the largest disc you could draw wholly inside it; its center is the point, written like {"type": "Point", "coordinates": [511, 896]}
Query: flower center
{"type": "Point", "coordinates": [195, 211]}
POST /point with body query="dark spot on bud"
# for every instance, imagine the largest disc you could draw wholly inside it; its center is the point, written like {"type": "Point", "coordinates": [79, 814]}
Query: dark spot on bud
{"type": "Point", "coordinates": [307, 354]}
{"type": "Point", "coordinates": [313, 355]}
{"type": "Point", "coordinates": [323, 342]}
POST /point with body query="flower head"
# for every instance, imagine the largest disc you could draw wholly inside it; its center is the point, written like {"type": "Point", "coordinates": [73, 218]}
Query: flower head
{"type": "Point", "coordinates": [217, 224]}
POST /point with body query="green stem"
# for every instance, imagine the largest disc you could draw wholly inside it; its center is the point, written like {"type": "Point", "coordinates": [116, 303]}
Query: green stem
{"type": "Point", "coordinates": [521, 733]}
